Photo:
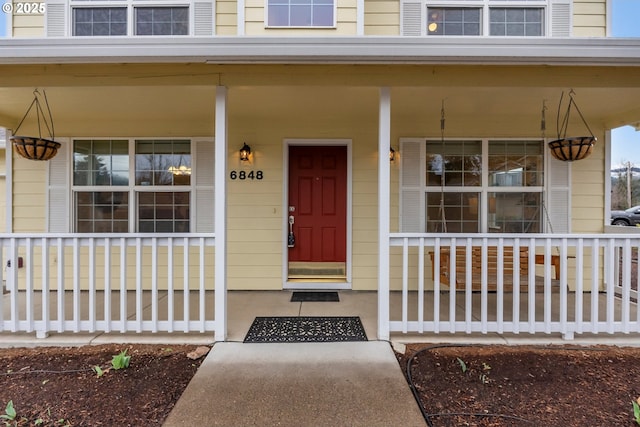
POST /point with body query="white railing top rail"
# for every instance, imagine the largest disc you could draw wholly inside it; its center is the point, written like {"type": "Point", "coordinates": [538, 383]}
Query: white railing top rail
{"type": "Point", "coordinates": [479, 239]}
{"type": "Point", "coordinates": [115, 239]}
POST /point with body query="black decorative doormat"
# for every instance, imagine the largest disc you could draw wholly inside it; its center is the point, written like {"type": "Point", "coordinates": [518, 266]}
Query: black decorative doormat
{"type": "Point", "coordinates": [314, 296]}
{"type": "Point", "coordinates": [305, 329]}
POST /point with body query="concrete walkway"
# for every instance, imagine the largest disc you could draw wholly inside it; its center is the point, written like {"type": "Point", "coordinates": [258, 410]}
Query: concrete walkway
{"type": "Point", "coordinates": [301, 384]}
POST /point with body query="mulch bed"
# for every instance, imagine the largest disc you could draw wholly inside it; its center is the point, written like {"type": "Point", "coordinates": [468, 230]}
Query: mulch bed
{"type": "Point", "coordinates": [525, 386]}
{"type": "Point", "coordinates": [56, 386]}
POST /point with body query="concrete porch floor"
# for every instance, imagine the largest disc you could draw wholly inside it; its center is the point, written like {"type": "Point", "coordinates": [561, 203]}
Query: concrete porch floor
{"type": "Point", "coordinates": [244, 306]}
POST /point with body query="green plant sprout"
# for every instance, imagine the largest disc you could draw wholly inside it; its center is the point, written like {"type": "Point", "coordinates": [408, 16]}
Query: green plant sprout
{"type": "Point", "coordinates": [636, 410]}
{"type": "Point", "coordinates": [463, 366]}
{"type": "Point", "coordinates": [9, 413]}
{"type": "Point", "coordinates": [121, 360]}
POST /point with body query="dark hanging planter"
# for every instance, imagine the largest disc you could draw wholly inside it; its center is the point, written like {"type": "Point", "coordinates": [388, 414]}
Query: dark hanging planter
{"type": "Point", "coordinates": [32, 147]}
{"type": "Point", "coordinates": [566, 148]}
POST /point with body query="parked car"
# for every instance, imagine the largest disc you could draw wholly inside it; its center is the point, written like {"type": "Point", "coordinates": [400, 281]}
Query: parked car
{"type": "Point", "coordinates": [629, 216]}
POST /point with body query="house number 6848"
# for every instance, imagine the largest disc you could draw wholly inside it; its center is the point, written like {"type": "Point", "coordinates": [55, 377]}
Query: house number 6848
{"type": "Point", "coordinates": [242, 175]}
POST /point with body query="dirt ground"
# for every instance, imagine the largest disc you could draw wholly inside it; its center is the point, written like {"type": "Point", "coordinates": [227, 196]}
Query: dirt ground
{"type": "Point", "coordinates": [458, 386]}
{"type": "Point", "coordinates": [522, 386]}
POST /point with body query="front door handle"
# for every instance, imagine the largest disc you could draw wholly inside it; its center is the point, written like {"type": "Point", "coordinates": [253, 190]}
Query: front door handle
{"type": "Point", "coordinates": [291, 239]}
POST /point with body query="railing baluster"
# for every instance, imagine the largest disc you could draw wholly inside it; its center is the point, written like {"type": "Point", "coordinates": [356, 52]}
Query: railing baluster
{"type": "Point", "coordinates": [76, 285]}
{"type": "Point", "coordinates": [421, 285]}
{"type": "Point", "coordinates": [139, 272]}
{"type": "Point", "coordinates": [468, 291]}
{"type": "Point", "coordinates": [626, 285]}
{"type": "Point", "coordinates": [610, 286]}
{"type": "Point", "coordinates": [15, 313]}
{"type": "Point", "coordinates": [579, 292]}
{"type": "Point", "coordinates": [202, 290]}
{"type": "Point", "coordinates": [154, 284]}
{"type": "Point", "coordinates": [61, 285]}
{"type": "Point", "coordinates": [436, 296]}
{"type": "Point", "coordinates": [516, 286]}
{"type": "Point", "coordinates": [170, 302]}
{"type": "Point", "coordinates": [43, 331]}
{"type": "Point", "coordinates": [547, 286]}
{"type": "Point", "coordinates": [484, 286]}
{"type": "Point", "coordinates": [452, 290]}
{"type": "Point", "coordinates": [500, 286]}
{"type": "Point", "coordinates": [405, 283]}
{"type": "Point", "coordinates": [124, 246]}
{"type": "Point", "coordinates": [531, 282]}
{"type": "Point", "coordinates": [107, 285]}
{"type": "Point", "coordinates": [595, 265]}
{"type": "Point", "coordinates": [30, 308]}
{"type": "Point", "coordinates": [92, 284]}
{"type": "Point", "coordinates": [185, 272]}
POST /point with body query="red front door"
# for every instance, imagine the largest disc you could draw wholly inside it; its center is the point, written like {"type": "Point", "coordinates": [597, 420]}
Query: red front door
{"type": "Point", "coordinates": [318, 203]}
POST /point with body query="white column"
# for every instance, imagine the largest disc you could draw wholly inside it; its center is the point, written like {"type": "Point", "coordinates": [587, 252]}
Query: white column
{"type": "Point", "coordinates": [220, 224]}
{"type": "Point", "coordinates": [384, 173]}
{"type": "Point", "coordinates": [8, 178]}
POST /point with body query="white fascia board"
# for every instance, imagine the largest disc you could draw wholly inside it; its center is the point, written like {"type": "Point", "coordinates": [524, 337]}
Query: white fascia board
{"type": "Point", "coordinates": [325, 50]}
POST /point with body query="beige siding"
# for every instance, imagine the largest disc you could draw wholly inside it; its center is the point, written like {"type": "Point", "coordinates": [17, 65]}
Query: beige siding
{"type": "Point", "coordinates": [589, 18]}
{"type": "Point", "coordinates": [226, 18]}
{"type": "Point", "coordinates": [382, 18]}
{"type": "Point", "coordinates": [29, 195]}
{"type": "Point", "coordinates": [27, 25]}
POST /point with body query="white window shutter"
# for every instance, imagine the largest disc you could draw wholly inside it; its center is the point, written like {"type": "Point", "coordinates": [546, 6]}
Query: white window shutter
{"type": "Point", "coordinates": [203, 15]}
{"type": "Point", "coordinates": [558, 198]}
{"type": "Point", "coordinates": [59, 189]}
{"type": "Point", "coordinates": [561, 13]}
{"type": "Point", "coordinates": [411, 21]}
{"type": "Point", "coordinates": [203, 198]}
{"type": "Point", "coordinates": [411, 191]}
{"type": "Point", "coordinates": [56, 18]}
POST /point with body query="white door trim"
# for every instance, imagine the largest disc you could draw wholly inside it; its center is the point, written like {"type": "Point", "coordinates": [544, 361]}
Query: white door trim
{"type": "Point", "coordinates": [286, 284]}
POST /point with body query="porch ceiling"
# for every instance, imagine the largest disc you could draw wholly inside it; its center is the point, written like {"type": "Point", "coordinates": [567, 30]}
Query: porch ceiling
{"type": "Point", "coordinates": [179, 99]}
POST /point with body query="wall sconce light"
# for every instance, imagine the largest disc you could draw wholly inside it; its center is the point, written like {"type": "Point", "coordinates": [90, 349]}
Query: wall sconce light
{"type": "Point", "coordinates": [244, 152]}
{"type": "Point", "coordinates": [392, 154]}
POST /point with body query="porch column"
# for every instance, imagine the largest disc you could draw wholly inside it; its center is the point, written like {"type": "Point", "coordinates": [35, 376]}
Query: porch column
{"type": "Point", "coordinates": [220, 223]}
{"type": "Point", "coordinates": [384, 194]}
{"type": "Point", "coordinates": [8, 180]}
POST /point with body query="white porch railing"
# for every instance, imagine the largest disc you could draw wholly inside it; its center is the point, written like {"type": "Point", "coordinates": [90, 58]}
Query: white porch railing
{"type": "Point", "coordinates": [107, 282]}
{"type": "Point", "coordinates": [595, 290]}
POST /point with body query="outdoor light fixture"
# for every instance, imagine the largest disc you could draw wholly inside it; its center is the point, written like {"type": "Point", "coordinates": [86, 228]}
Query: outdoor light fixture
{"type": "Point", "coordinates": [244, 152]}
{"type": "Point", "coordinates": [392, 154]}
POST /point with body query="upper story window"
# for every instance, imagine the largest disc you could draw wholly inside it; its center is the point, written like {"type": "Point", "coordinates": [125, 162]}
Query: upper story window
{"type": "Point", "coordinates": [506, 18]}
{"type": "Point", "coordinates": [116, 18]}
{"type": "Point", "coordinates": [301, 13]}
{"type": "Point", "coordinates": [114, 21]}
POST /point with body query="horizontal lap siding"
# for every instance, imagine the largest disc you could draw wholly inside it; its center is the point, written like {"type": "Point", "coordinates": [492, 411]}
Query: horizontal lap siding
{"type": "Point", "coordinates": [382, 18]}
{"type": "Point", "coordinates": [29, 194]}
{"type": "Point", "coordinates": [589, 18]}
{"type": "Point", "coordinates": [28, 25]}
{"type": "Point", "coordinates": [226, 18]}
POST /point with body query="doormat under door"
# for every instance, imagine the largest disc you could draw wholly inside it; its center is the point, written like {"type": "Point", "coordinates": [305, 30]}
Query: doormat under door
{"type": "Point", "coordinates": [313, 296]}
{"type": "Point", "coordinates": [305, 329]}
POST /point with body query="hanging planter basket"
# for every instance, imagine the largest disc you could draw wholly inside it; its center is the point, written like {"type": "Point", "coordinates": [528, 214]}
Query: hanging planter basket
{"type": "Point", "coordinates": [37, 147]}
{"type": "Point", "coordinates": [568, 149]}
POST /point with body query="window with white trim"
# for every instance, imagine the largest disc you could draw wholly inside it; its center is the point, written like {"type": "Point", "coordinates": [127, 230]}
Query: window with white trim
{"type": "Point", "coordinates": [131, 17]}
{"type": "Point", "coordinates": [136, 185]}
{"type": "Point", "coordinates": [473, 186]}
{"type": "Point", "coordinates": [300, 13]}
{"type": "Point", "coordinates": [506, 18]}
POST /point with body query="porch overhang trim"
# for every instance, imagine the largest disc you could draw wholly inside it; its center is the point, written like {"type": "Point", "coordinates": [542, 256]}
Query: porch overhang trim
{"type": "Point", "coordinates": [325, 50]}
